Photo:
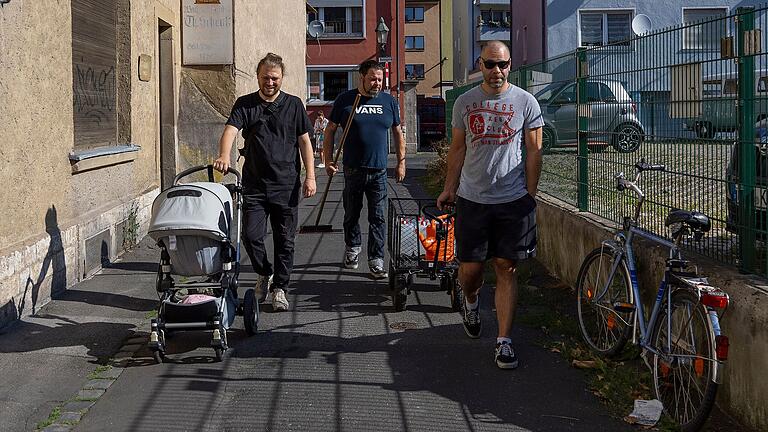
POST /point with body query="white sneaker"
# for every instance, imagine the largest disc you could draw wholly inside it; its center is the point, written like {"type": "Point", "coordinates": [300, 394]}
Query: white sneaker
{"type": "Point", "coordinates": [321, 165]}
{"type": "Point", "coordinates": [261, 287]}
{"type": "Point", "coordinates": [279, 302]}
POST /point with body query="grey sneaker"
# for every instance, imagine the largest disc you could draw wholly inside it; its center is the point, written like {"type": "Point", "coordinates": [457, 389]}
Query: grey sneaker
{"type": "Point", "coordinates": [505, 356]}
{"type": "Point", "coordinates": [376, 266]}
{"type": "Point", "coordinates": [279, 302]}
{"type": "Point", "coordinates": [352, 257]}
{"type": "Point", "coordinates": [261, 287]}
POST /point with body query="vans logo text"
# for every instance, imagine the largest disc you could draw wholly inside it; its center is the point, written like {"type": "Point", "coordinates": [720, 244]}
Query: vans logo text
{"type": "Point", "coordinates": [369, 109]}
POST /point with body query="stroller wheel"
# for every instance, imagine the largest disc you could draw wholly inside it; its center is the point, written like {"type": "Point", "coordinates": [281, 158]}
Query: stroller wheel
{"type": "Point", "coordinates": [219, 353]}
{"type": "Point", "coordinates": [250, 312]}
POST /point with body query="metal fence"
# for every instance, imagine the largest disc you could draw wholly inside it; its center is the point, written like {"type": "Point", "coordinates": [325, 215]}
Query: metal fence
{"type": "Point", "coordinates": [693, 97]}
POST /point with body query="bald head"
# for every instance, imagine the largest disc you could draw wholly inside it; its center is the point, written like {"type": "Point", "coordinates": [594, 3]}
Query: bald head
{"type": "Point", "coordinates": [494, 49]}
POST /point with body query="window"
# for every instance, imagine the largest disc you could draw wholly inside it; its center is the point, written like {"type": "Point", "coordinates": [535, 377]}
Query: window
{"type": "Point", "coordinates": [414, 43]}
{"type": "Point", "coordinates": [339, 21]}
{"type": "Point", "coordinates": [326, 85]}
{"type": "Point", "coordinates": [94, 66]}
{"type": "Point", "coordinates": [704, 28]}
{"type": "Point", "coordinates": [414, 14]}
{"type": "Point", "coordinates": [567, 96]}
{"type": "Point", "coordinates": [495, 17]}
{"type": "Point", "coordinates": [605, 28]}
{"type": "Point", "coordinates": [414, 71]}
{"type": "Point", "coordinates": [711, 88]}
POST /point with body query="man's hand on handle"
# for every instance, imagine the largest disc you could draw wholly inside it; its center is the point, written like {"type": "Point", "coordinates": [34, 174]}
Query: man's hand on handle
{"type": "Point", "coordinates": [221, 164]}
{"type": "Point", "coordinates": [331, 169]}
{"type": "Point", "coordinates": [446, 199]}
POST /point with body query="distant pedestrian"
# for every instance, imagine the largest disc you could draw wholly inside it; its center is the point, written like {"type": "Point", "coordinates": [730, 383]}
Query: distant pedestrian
{"type": "Point", "coordinates": [320, 124]}
{"type": "Point", "coordinates": [493, 186]}
{"type": "Point", "coordinates": [276, 130]}
{"type": "Point", "coordinates": [365, 162]}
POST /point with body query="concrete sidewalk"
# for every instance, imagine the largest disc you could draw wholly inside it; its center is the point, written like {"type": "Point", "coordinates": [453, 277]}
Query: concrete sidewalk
{"type": "Point", "coordinates": [339, 359]}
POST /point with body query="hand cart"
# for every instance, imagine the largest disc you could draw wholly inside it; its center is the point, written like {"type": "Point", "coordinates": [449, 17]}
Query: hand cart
{"type": "Point", "coordinates": [421, 243]}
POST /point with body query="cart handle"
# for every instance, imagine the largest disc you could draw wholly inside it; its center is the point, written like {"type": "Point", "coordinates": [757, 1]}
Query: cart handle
{"type": "Point", "coordinates": [209, 168]}
{"type": "Point", "coordinates": [433, 213]}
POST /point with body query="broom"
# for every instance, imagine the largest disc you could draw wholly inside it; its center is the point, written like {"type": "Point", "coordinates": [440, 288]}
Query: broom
{"type": "Point", "coordinates": [316, 228]}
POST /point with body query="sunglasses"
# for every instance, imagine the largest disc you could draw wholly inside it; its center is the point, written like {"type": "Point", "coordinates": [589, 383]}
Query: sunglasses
{"type": "Point", "coordinates": [490, 64]}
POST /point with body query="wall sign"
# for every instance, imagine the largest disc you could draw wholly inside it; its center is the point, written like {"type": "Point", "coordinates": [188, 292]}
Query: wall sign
{"type": "Point", "coordinates": [207, 32]}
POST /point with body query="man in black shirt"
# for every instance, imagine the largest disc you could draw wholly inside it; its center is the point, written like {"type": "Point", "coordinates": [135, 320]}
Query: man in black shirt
{"type": "Point", "coordinates": [276, 130]}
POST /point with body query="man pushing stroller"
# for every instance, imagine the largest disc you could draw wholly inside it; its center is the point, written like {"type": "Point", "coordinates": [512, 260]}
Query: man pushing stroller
{"type": "Point", "coordinates": [277, 131]}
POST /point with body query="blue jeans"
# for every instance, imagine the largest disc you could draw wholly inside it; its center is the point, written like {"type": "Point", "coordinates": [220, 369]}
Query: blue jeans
{"type": "Point", "coordinates": [373, 184]}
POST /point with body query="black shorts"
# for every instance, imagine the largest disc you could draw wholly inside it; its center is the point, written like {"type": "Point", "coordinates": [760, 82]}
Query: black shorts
{"type": "Point", "coordinates": [506, 230]}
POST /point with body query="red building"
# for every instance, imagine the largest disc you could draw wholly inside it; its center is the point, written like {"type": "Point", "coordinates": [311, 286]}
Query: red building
{"type": "Point", "coordinates": [346, 38]}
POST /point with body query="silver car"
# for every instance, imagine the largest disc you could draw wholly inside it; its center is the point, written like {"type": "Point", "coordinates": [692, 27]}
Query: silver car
{"type": "Point", "coordinates": [612, 116]}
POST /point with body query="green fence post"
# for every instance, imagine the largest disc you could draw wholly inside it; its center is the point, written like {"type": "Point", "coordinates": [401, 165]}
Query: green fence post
{"type": "Point", "coordinates": [745, 143]}
{"type": "Point", "coordinates": [582, 107]}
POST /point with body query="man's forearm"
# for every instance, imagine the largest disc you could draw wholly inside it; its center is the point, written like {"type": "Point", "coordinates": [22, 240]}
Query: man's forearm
{"type": "Point", "coordinates": [328, 144]}
{"type": "Point", "coordinates": [455, 161]}
{"type": "Point", "coordinates": [533, 161]}
{"type": "Point", "coordinates": [400, 139]}
{"type": "Point", "coordinates": [307, 156]}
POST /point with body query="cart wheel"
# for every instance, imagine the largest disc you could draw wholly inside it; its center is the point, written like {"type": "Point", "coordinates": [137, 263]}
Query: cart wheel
{"type": "Point", "coordinates": [219, 352]}
{"type": "Point", "coordinates": [159, 356]}
{"type": "Point", "coordinates": [400, 293]}
{"type": "Point", "coordinates": [391, 277]}
{"type": "Point", "coordinates": [457, 295]}
{"type": "Point", "coordinates": [250, 312]}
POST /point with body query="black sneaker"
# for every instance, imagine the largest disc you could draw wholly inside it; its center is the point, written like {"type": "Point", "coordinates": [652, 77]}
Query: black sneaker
{"type": "Point", "coordinates": [472, 325]}
{"type": "Point", "coordinates": [505, 356]}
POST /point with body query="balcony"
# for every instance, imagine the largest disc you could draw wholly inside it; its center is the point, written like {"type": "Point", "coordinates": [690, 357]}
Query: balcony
{"type": "Point", "coordinates": [491, 30]}
{"type": "Point", "coordinates": [491, 2]}
{"type": "Point", "coordinates": [339, 29]}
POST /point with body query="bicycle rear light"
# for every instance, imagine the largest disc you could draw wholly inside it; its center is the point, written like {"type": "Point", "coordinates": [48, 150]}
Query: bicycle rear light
{"type": "Point", "coordinates": [721, 347]}
{"type": "Point", "coordinates": [715, 299]}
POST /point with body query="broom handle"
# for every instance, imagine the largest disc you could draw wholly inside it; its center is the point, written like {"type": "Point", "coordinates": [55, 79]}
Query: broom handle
{"type": "Point", "coordinates": [336, 157]}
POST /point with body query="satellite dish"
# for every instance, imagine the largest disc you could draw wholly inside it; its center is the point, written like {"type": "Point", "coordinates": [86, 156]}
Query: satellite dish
{"type": "Point", "coordinates": [641, 24]}
{"type": "Point", "coordinates": [315, 28]}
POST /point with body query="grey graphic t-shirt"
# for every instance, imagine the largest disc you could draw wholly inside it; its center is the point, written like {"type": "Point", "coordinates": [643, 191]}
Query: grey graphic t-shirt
{"type": "Point", "coordinates": [494, 169]}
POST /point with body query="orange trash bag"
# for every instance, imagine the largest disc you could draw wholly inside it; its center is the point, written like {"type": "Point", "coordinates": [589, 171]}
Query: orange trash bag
{"type": "Point", "coordinates": [428, 239]}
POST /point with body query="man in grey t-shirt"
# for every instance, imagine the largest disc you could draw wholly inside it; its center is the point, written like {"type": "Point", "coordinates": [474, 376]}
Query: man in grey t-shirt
{"type": "Point", "coordinates": [493, 188]}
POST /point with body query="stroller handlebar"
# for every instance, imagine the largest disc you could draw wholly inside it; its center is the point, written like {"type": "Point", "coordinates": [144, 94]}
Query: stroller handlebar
{"type": "Point", "coordinates": [208, 168]}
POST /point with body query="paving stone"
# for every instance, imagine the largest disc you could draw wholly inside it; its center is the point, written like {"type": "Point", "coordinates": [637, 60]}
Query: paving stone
{"type": "Point", "coordinates": [77, 406]}
{"type": "Point", "coordinates": [89, 394]}
{"type": "Point", "coordinates": [57, 428]}
{"type": "Point", "coordinates": [98, 384]}
{"type": "Point", "coordinates": [111, 373]}
{"type": "Point", "coordinates": [140, 339]}
{"type": "Point", "coordinates": [70, 417]}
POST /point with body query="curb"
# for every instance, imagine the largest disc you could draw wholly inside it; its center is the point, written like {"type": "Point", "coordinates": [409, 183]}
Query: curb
{"type": "Point", "coordinates": [99, 381]}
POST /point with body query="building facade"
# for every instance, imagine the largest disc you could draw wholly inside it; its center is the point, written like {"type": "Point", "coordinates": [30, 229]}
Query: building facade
{"type": "Point", "coordinates": [475, 22]}
{"type": "Point", "coordinates": [102, 117]}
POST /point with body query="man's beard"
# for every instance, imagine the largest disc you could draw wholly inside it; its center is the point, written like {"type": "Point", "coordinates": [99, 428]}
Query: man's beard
{"type": "Point", "coordinates": [496, 82]}
{"type": "Point", "coordinates": [373, 91]}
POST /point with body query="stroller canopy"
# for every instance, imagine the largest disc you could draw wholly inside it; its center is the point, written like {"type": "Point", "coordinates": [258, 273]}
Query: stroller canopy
{"type": "Point", "coordinates": [202, 208]}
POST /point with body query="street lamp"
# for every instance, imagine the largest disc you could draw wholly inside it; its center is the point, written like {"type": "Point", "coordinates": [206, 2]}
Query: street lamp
{"type": "Point", "coordinates": [382, 31]}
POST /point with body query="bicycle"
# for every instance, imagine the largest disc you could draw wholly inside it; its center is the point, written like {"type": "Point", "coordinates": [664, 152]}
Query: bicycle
{"type": "Point", "coordinates": [683, 347]}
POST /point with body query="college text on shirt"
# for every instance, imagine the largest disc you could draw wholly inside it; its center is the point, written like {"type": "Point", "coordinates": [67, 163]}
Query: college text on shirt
{"type": "Point", "coordinates": [489, 122]}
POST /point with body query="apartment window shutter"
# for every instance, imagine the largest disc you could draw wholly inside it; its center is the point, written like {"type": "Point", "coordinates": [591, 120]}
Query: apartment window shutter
{"type": "Point", "coordinates": [94, 65]}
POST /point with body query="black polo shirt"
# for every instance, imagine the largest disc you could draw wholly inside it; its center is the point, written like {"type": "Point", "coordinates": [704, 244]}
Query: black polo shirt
{"type": "Point", "coordinates": [272, 157]}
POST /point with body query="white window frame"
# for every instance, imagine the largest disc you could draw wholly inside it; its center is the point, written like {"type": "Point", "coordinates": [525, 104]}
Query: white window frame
{"type": "Point", "coordinates": [727, 11]}
{"type": "Point", "coordinates": [349, 69]}
{"type": "Point", "coordinates": [605, 13]}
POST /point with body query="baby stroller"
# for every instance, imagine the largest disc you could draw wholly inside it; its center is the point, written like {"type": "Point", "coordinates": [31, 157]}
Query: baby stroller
{"type": "Point", "coordinates": [197, 226]}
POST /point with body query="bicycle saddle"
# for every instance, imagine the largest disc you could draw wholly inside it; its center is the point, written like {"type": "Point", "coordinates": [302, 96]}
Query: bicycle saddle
{"type": "Point", "coordinates": [696, 220]}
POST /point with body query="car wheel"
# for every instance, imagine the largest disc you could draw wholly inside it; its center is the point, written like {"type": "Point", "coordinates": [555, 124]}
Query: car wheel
{"type": "Point", "coordinates": [627, 138]}
{"type": "Point", "coordinates": [547, 139]}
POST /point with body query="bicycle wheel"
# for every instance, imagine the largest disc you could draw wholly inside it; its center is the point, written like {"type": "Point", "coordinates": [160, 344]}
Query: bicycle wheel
{"type": "Point", "coordinates": [604, 329]}
{"type": "Point", "coordinates": [683, 374]}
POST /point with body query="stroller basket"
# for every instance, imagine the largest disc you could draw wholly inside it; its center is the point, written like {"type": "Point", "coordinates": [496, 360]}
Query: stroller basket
{"type": "Point", "coordinates": [192, 221]}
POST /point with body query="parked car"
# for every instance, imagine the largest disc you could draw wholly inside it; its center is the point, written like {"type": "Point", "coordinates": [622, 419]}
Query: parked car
{"type": "Point", "coordinates": [760, 194]}
{"type": "Point", "coordinates": [720, 93]}
{"type": "Point", "coordinates": [612, 121]}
